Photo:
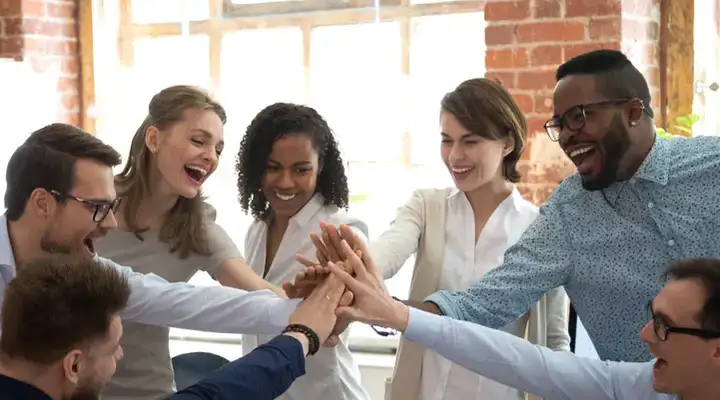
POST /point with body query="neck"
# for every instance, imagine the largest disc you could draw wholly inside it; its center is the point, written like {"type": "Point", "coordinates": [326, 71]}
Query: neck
{"type": "Point", "coordinates": [636, 158]}
{"type": "Point", "coordinates": [40, 376]}
{"type": "Point", "coordinates": [485, 199]}
{"type": "Point", "coordinates": [24, 241]}
{"type": "Point", "coordinates": [155, 205]}
{"type": "Point", "coordinates": [279, 224]}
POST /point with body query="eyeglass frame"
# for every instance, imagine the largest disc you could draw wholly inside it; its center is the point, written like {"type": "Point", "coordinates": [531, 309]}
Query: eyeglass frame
{"type": "Point", "coordinates": [559, 122]}
{"type": "Point", "coordinates": [102, 207]}
{"type": "Point", "coordinates": [659, 323]}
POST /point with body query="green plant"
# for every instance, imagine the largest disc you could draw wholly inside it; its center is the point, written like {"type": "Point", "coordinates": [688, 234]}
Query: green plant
{"type": "Point", "coordinates": [682, 127]}
{"type": "Point", "coordinates": [358, 198]}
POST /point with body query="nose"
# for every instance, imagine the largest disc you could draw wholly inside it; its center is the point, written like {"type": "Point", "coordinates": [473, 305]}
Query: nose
{"type": "Point", "coordinates": [647, 334]}
{"type": "Point", "coordinates": [211, 155]}
{"type": "Point", "coordinates": [285, 180]}
{"type": "Point", "coordinates": [110, 222]}
{"type": "Point", "coordinates": [456, 153]}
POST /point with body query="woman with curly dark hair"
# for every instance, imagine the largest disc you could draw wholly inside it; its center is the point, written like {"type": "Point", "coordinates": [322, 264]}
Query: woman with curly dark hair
{"type": "Point", "coordinates": [291, 178]}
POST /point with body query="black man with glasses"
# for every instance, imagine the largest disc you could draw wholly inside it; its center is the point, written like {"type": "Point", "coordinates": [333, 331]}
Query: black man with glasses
{"type": "Point", "coordinates": [637, 203]}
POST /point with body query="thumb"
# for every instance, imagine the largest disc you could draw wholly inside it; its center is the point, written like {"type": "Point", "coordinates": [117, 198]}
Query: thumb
{"type": "Point", "coordinates": [349, 313]}
{"type": "Point", "coordinates": [289, 288]}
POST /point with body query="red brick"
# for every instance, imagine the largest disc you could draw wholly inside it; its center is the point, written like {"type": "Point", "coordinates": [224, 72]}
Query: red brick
{"type": "Point", "coordinates": [10, 8]}
{"type": "Point", "coordinates": [536, 80]}
{"type": "Point", "coordinates": [506, 58]}
{"type": "Point", "coordinates": [11, 46]}
{"type": "Point", "coordinates": [543, 104]}
{"type": "Point", "coordinates": [592, 8]}
{"type": "Point", "coordinates": [33, 9]}
{"type": "Point", "coordinates": [551, 32]}
{"type": "Point", "coordinates": [547, 9]}
{"type": "Point", "coordinates": [551, 55]}
{"type": "Point", "coordinates": [60, 10]}
{"type": "Point", "coordinates": [507, 79]}
{"type": "Point", "coordinates": [70, 66]}
{"type": "Point", "coordinates": [536, 124]}
{"type": "Point", "coordinates": [577, 49]}
{"type": "Point", "coordinates": [12, 26]}
{"type": "Point", "coordinates": [604, 28]}
{"type": "Point", "coordinates": [499, 34]}
{"type": "Point", "coordinates": [524, 101]}
{"type": "Point", "coordinates": [505, 11]}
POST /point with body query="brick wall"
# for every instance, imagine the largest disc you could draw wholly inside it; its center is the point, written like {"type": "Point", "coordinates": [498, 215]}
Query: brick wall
{"type": "Point", "coordinates": [44, 33]}
{"type": "Point", "coordinates": [526, 41]}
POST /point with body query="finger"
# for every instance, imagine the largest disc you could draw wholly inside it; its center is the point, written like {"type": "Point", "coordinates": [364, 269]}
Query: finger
{"type": "Point", "coordinates": [289, 289]}
{"type": "Point", "coordinates": [335, 237]}
{"type": "Point", "coordinates": [347, 279]}
{"type": "Point", "coordinates": [358, 266]}
{"type": "Point", "coordinates": [349, 313]}
{"type": "Point", "coordinates": [310, 274]}
{"type": "Point", "coordinates": [347, 232]}
{"type": "Point", "coordinates": [332, 341]}
{"type": "Point", "coordinates": [320, 248]}
{"type": "Point", "coordinates": [346, 299]}
{"type": "Point", "coordinates": [332, 250]}
{"type": "Point", "coordinates": [305, 261]}
{"type": "Point", "coordinates": [336, 288]}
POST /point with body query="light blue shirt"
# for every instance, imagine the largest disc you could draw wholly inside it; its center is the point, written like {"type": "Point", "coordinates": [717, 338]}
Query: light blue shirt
{"type": "Point", "coordinates": [154, 301]}
{"type": "Point", "coordinates": [609, 248]}
{"type": "Point", "coordinates": [515, 362]}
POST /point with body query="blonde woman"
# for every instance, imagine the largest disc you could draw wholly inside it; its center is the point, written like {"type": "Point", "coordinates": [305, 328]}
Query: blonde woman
{"type": "Point", "coordinates": [166, 227]}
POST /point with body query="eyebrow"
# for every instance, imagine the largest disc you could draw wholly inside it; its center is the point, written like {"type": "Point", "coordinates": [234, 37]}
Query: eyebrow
{"type": "Point", "coordinates": [465, 136]}
{"type": "Point", "coordinates": [661, 315]}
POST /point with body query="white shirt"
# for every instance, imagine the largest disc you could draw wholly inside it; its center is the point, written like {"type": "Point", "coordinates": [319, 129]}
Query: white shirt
{"type": "Point", "coordinates": [331, 374]}
{"type": "Point", "coordinates": [154, 301]}
{"type": "Point", "coordinates": [465, 262]}
{"type": "Point", "coordinates": [557, 375]}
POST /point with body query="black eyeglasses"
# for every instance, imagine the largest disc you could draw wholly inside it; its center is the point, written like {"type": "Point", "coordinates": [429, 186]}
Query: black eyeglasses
{"type": "Point", "coordinates": [575, 118]}
{"type": "Point", "coordinates": [101, 208]}
{"type": "Point", "coordinates": [662, 329]}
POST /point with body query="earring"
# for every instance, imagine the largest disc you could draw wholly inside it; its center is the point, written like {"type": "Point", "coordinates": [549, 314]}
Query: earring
{"type": "Point", "coordinates": [633, 123]}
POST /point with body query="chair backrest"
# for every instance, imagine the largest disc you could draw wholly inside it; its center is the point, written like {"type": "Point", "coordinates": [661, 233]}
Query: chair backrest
{"type": "Point", "coordinates": [189, 368]}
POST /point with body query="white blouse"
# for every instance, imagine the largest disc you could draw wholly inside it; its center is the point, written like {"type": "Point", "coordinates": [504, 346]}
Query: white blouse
{"type": "Point", "coordinates": [331, 374]}
{"type": "Point", "coordinates": [465, 262]}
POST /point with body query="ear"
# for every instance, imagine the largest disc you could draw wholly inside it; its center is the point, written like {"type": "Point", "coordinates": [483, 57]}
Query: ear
{"type": "Point", "coordinates": [152, 139]}
{"type": "Point", "coordinates": [509, 145]}
{"type": "Point", "coordinates": [42, 202]}
{"type": "Point", "coordinates": [71, 365]}
{"type": "Point", "coordinates": [635, 112]}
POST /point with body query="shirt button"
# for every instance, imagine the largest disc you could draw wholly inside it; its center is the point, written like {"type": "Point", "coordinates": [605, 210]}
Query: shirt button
{"type": "Point", "coordinates": [671, 242]}
{"type": "Point", "coordinates": [650, 204]}
{"type": "Point", "coordinates": [632, 181]}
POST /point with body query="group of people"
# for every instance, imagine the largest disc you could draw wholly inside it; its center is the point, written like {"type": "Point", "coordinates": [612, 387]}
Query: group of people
{"type": "Point", "coordinates": [493, 266]}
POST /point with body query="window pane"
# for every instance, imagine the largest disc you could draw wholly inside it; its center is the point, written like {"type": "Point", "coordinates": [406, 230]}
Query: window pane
{"type": "Point", "coordinates": [252, 78]}
{"type": "Point", "coordinates": [356, 82]}
{"type": "Point", "coordinates": [158, 63]}
{"type": "Point", "coordinates": [159, 11]}
{"type": "Point", "coordinates": [444, 51]}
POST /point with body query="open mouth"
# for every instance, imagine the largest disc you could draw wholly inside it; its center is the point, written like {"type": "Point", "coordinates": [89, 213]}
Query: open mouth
{"type": "Point", "coordinates": [196, 174]}
{"type": "Point", "coordinates": [583, 158]}
{"type": "Point", "coordinates": [89, 245]}
{"type": "Point", "coordinates": [660, 364]}
{"type": "Point", "coordinates": [285, 196]}
{"type": "Point", "coordinates": [461, 172]}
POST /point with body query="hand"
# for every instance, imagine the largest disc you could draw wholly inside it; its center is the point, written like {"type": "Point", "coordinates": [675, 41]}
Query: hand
{"type": "Point", "coordinates": [373, 304]}
{"type": "Point", "coordinates": [317, 312]}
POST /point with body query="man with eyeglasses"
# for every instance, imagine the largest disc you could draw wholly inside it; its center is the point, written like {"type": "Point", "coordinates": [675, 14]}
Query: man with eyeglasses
{"type": "Point", "coordinates": [637, 203]}
{"type": "Point", "coordinates": [61, 197]}
{"type": "Point", "coordinates": [681, 331]}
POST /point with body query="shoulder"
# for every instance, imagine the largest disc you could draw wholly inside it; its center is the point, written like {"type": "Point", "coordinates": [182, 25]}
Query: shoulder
{"type": "Point", "coordinates": [693, 153]}
{"type": "Point", "coordinates": [433, 195]}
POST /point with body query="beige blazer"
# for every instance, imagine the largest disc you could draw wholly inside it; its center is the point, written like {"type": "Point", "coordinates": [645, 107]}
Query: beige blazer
{"type": "Point", "coordinates": [419, 228]}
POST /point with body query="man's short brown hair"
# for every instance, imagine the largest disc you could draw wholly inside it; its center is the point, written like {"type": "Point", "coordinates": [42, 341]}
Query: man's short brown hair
{"type": "Point", "coordinates": [58, 304]}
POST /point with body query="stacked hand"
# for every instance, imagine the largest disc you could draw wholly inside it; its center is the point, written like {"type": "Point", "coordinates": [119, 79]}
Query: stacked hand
{"type": "Point", "coordinates": [343, 256]}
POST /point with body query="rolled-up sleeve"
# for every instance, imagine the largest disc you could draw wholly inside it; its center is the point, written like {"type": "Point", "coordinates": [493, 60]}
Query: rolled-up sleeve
{"type": "Point", "coordinates": [154, 301]}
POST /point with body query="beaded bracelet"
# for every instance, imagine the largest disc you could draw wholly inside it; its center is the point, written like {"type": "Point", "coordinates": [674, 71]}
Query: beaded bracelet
{"type": "Point", "coordinates": [313, 340]}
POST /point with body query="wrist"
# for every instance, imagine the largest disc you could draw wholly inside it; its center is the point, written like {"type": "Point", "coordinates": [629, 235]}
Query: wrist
{"type": "Point", "coordinates": [304, 342]}
{"type": "Point", "coordinates": [400, 316]}
{"type": "Point", "coordinates": [312, 338]}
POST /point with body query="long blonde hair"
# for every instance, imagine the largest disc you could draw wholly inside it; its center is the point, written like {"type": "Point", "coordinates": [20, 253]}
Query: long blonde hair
{"type": "Point", "coordinates": [184, 228]}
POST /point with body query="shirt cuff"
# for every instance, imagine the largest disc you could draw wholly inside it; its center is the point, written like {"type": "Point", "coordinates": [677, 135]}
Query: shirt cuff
{"type": "Point", "coordinates": [423, 327]}
{"type": "Point", "coordinates": [280, 312]}
{"type": "Point", "coordinates": [446, 305]}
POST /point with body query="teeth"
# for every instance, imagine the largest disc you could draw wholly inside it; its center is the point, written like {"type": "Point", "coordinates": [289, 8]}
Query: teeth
{"type": "Point", "coordinates": [201, 170]}
{"type": "Point", "coordinates": [460, 170]}
{"type": "Point", "coordinates": [579, 151]}
{"type": "Point", "coordinates": [284, 197]}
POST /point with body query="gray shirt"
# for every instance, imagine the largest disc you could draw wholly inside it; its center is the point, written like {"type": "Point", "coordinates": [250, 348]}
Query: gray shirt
{"type": "Point", "coordinates": [145, 372]}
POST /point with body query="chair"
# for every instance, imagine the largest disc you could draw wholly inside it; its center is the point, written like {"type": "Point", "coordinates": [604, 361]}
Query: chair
{"type": "Point", "coordinates": [189, 368]}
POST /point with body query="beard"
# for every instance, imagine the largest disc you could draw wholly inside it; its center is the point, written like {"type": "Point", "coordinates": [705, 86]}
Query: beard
{"type": "Point", "coordinates": [50, 246]}
{"type": "Point", "coordinates": [615, 144]}
{"type": "Point", "coordinates": [86, 390]}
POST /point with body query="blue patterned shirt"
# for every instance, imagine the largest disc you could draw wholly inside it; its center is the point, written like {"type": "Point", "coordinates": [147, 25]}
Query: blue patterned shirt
{"type": "Point", "coordinates": [609, 248]}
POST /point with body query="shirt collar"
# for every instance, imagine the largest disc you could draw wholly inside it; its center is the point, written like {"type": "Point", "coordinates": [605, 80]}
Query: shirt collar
{"type": "Point", "coordinates": [13, 388]}
{"type": "Point", "coordinates": [312, 207]}
{"type": "Point", "coordinates": [515, 198]}
{"type": "Point", "coordinates": [654, 168]}
{"type": "Point", "coordinates": [7, 258]}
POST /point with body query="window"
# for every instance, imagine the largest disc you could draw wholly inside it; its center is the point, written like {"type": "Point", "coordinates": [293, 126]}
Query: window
{"type": "Point", "coordinates": [376, 73]}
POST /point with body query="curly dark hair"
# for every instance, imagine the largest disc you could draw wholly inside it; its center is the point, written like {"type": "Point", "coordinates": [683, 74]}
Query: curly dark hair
{"type": "Point", "coordinates": [271, 124]}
